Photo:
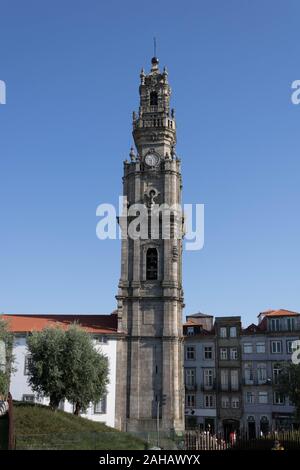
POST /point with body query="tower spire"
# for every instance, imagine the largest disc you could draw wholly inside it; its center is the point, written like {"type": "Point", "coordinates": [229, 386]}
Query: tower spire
{"type": "Point", "coordinates": [154, 46]}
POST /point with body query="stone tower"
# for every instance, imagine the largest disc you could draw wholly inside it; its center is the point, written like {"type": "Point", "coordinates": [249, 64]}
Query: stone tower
{"type": "Point", "coordinates": [150, 296]}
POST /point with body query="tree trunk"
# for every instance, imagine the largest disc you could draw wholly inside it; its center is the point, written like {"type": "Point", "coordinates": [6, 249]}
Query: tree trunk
{"type": "Point", "coordinates": [54, 402]}
{"type": "Point", "coordinates": [77, 409]}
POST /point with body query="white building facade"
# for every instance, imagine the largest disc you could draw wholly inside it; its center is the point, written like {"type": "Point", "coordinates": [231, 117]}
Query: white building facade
{"type": "Point", "coordinates": [102, 329]}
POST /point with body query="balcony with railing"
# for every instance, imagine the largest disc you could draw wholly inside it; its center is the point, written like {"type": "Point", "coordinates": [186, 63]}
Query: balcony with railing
{"type": "Point", "coordinates": [256, 382]}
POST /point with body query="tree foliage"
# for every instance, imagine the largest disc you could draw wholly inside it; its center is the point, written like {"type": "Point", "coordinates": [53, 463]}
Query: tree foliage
{"type": "Point", "coordinates": [66, 365]}
{"type": "Point", "coordinates": [6, 357]}
{"type": "Point", "coordinates": [289, 384]}
{"type": "Point", "coordinates": [86, 371]}
{"type": "Point", "coordinates": [46, 364]}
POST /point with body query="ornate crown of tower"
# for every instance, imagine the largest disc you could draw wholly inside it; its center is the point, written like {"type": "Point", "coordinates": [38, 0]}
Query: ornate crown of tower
{"type": "Point", "coordinates": [155, 125]}
{"type": "Point", "coordinates": [150, 299]}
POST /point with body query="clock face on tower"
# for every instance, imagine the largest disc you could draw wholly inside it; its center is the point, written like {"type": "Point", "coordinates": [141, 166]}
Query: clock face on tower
{"type": "Point", "coordinates": [152, 159]}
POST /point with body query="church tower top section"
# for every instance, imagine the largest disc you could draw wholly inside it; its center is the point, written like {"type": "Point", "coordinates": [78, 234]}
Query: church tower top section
{"type": "Point", "coordinates": [154, 126]}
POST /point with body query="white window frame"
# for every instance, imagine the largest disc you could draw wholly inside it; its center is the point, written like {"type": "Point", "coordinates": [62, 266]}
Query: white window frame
{"type": "Point", "coordinates": [275, 324]}
{"type": "Point", "coordinates": [28, 398]}
{"type": "Point", "coordinates": [234, 379]}
{"type": "Point", "coordinates": [265, 396]}
{"type": "Point", "coordinates": [208, 350]}
{"type": "Point", "coordinates": [190, 350]}
{"type": "Point", "coordinates": [225, 402]}
{"type": "Point", "coordinates": [233, 354]}
{"type": "Point", "coordinates": [262, 378]}
{"type": "Point", "coordinates": [223, 354]}
{"type": "Point", "coordinates": [233, 332]}
{"type": "Point", "coordinates": [248, 374]}
{"type": "Point", "coordinates": [223, 332]}
{"type": "Point", "coordinates": [289, 346]}
{"type": "Point", "coordinates": [208, 377]}
{"type": "Point", "coordinates": [276, 350]}
{"type": "Point", "coordinates": [224, 377]}
{"type": "Point", "coordinates": [278, 402]}
{"type": "Point", "coordinates": [26, 361]}
{"type": "Point", "coordinates": [209, 401]}
{"type": "Point", "coordinates": [101, 405]}
{"type": "Point", "coordinates": [190, 331]}
{"type": "Point", "coordinates": [276, 371]}
{"type": "Point", "coordinates": [247, 346]}
{"type": "Point", "coordinates": [190, 376]}
{"type": "Point", "coordinates": [250, 394]}
{"type": "Point", "coordinates": [190, 400]}
{"type": "Point", "coordinates": [235, 402]}
{"type": "Point", "coordinates": [259, 344]}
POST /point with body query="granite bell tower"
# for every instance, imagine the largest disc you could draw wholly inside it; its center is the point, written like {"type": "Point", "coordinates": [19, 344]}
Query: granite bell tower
{"type": "Point", "coordinates": [150, 297]}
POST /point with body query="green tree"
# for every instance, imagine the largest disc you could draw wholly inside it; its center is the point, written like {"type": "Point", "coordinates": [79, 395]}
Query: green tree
{"type": "Point", "coordinates": [6, 357]}
{"type": "Point", "coordinates": [46, 364]}
{"type": "Point", "coordinates": [65, 364]}
{"type": "Point", "coordinates": [289, 384]}
{"type": "Point", "coordinates": [86, 370]}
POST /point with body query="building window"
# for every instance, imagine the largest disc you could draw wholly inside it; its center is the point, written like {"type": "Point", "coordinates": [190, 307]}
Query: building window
{"type": "Point", "coordinates": [250, 398]}
{"type": "Point", "coordinates": [223, 332]}
{"type": "Point", "coordinates": [248, 348]}
{"type": "Point", "coordinates": [223, 354]}
{"type": "Point", "coordinates": [28, 398]}
{"type": "Point", "coordinates": [101, 407]}
{"type": "Point", "coordinates": [289, 346]}
{"type": "Point", "coordinates": [234, 377]}
{"type": "Point", "coordinates": [224, 379]}
{"type": "Point", "coordinates": [190, 377]}
{"type": "Point", "coordinates": [208, 401]}
{"type": "Point", "coordinates": [151, 264]}
{"type": "Point", "coordinates": [276, 347]}
{"type": "Point", "coordinates": [153, 98]}
{"type": "Point", "coordinates": [100, 339]}
{"type": "Point", "coordinates": [208, 352]}
{"type": "Point", "coordinates": [248, 374]}
{"type": "Point", "coordinates": [263, 397]}
{"type": "Point", "coordinates": [261, 347]}
{"type": "Point", "coordinates": [278, 398]}
{"type": "Point", "coordinates": [190, 353]}
{"type": "Point", "coordinates": [190, 400]}
{"type": "Point", "coordinates": [26, 365]}
{"type": "Point", "coordinates": [235, 402]}
{"type": "Point", "coordinates": [233, 332]}
{"type": "Point", "coordinates": [290, 324]}
{"type": "Point", "coordinates": [225, 402]}
{"type": "Point", "coordinates": [190, 331]}
{"type": "Point", "coordinates": [275, 324]}
{"type": "Point", "coordinates": [276, 373]}
{"type": "Point", "coordinates": [208, 377]}
{"type": "Point", "coordinates": [233, 354]}
{"type": "Point", "coordinates": [262, 373]}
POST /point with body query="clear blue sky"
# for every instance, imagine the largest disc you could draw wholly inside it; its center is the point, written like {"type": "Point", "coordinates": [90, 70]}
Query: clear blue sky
{"type": "Point", "coordinates": [72, 74]}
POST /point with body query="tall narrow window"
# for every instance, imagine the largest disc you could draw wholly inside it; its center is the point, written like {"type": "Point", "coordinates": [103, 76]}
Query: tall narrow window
{"type": "Point", "coordinates": [153, 98]}
{"type": "Point", "coordinates": [151, 264]}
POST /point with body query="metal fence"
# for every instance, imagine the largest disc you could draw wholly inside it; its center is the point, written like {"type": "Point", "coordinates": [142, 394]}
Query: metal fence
{"type": "Point", "coordinates": [188, 440]}
{"type": "Point", "coordinates": [197, 440]}
{"type": "Point", "coordinates": [287, 440]}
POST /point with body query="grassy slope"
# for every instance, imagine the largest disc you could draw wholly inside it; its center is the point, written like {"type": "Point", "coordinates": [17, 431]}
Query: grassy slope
{"type": "Point", "coordinates": [37, 427]}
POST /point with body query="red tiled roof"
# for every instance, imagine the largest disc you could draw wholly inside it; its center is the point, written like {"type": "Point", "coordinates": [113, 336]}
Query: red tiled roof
{"type": "Point", "coordinates": [280, 313]}
{"type": "Point", "coordinates": [191, 323]}
{"type": "Point", "coordinates": [22, 323]}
